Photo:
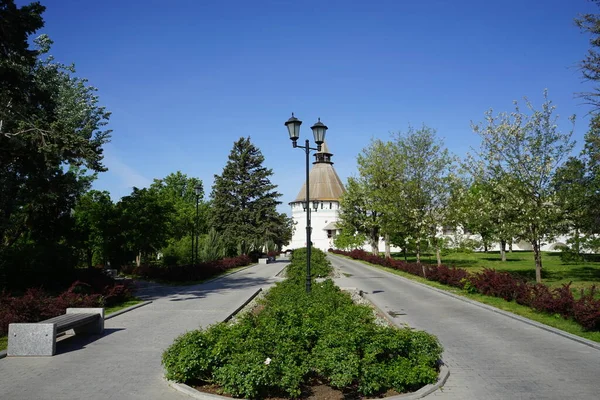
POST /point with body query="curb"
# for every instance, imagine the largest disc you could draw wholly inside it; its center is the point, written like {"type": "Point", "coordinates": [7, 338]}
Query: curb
{"type": "Point", "coordinates": [243, 305]}
{"type": "Point", "coordinates": [508, 314]}
{"type": "Point", "coordinates": [3, 353]}
{"type": "Point", "coordinates": [130, 308]}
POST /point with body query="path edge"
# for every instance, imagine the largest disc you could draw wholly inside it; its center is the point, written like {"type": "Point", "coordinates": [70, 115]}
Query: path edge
{"type": "Point", "coordinates": [508, 314]}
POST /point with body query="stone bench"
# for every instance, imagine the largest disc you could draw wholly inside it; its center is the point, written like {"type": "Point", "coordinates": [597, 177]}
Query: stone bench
{"type": "Point", "coordinates": [39, 339]}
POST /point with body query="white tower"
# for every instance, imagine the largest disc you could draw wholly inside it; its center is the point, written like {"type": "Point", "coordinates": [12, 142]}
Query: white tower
{"type": "Point", "coordinates": [326, 188]}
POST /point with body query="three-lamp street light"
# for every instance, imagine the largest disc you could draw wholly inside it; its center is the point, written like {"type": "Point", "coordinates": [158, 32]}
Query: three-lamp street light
{"type": "Point", "coordinates": [319, 129]}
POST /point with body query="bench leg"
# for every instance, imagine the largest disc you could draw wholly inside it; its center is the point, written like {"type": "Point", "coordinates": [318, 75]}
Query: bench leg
{"type": "Point", "coordinates": [96, 327]}
{"type": "Point", "coordinates": [36, 339]}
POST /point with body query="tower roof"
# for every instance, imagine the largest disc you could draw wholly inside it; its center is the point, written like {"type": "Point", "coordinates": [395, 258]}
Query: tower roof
{"type": "Point", "coordinates": [325, 184]}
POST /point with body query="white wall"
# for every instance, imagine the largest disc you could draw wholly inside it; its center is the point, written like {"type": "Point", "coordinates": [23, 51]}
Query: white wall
{"type": "Point", "coordinates": [319, 219]}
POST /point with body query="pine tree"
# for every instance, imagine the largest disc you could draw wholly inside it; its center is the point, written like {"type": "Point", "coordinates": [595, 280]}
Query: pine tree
{"type": "Point", "coordinates": [244, 200]}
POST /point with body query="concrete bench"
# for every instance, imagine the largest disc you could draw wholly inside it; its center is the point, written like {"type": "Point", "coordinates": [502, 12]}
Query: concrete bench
{"type": "Point", "coordinates": [39, 339]}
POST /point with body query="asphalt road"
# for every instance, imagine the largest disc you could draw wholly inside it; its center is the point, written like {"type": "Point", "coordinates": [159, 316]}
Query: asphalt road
{"type": "Point", "coordinates": [490, 356]}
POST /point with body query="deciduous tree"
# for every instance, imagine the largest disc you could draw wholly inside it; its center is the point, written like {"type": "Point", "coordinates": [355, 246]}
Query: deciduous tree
{"type": "Point", "coordinates": [525, 150]}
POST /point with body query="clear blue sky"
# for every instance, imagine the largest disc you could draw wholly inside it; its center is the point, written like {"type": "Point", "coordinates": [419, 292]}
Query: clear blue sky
{"type": "Point", "coordinates": [185, 79]}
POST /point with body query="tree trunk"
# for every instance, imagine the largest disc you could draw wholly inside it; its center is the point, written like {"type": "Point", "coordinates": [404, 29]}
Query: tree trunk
{"type": "Point", "coordinates": [388, 252]}
{"type": "Point", "coordinates": [577, 243]}
{"type": "Point", "coordinates": [138, 258]}
{"type": "Point", "coordinates": [503, 249]}
{"type": "Point", "coordinates": [438, 254]}
{"type": "Point", "coordinates": [485, 247]}
{"type": "Point", "coordinates": [404, 249]}
{"type": "Point", "coordinates": [510, 243]}
{"type": "Point", "coordinates": [418, 246]}
{"type": "Point", "coordinates": [538, 260]}
{"type": "Point", "coordinates": [90, 257]}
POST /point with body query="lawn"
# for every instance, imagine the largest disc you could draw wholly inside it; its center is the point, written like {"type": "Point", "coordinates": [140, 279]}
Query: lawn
{"type": "Point", "coordinates": [554, 273]}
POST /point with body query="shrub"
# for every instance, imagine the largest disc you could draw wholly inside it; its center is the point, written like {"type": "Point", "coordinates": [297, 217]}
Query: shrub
{"type": "Point", "coordinates": [297, 336]}
{"type": "Point", "coordinates": [37, 305]}
{"type": "Point", "coordinates": [586, 310]}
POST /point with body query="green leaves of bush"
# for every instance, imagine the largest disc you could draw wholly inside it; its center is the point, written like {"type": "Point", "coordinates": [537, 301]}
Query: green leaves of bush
{"type": "Point", "coordinates": [299, 336]}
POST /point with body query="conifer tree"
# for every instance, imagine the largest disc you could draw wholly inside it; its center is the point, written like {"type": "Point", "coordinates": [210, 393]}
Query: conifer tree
{"type": "Point", "coordinates": [244, 200]}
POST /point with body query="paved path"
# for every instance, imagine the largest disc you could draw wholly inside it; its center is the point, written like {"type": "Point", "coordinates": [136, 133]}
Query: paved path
{"type": "Point", "coordinates": [490, 356]}
{"type": "Point", "coordinates": [124, 363]}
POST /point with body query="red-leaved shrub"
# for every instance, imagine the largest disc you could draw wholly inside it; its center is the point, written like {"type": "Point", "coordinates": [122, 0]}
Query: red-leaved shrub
{"type": "Point", "coordinates": [586, 311]}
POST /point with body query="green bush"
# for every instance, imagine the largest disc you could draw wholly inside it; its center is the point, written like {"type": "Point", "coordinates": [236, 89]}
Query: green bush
{"type": "Point", "coordinates": [297, 336]}
{"type": "Point", "coordinates": [319, 265]}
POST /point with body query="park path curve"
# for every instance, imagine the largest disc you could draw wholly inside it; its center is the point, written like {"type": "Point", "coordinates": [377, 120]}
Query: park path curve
{"type": "Point", "coordinates": [490, 356]}
{"type": "Point", "coordinates": [124, 362]}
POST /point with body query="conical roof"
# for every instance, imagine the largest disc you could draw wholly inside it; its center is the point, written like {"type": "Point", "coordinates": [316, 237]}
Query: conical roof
{"type": "Point", "coordinates": [325, 184]}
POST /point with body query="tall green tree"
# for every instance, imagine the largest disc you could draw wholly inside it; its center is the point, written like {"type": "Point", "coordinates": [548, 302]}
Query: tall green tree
{"type": "Point", "coordinates": [357, 216]}
{"type": "Point", "coordinates": [144, 218]}
{"type": "Point", "coordinates": [93, 214]}
{"type": "Point", "coordinates": [179, 190]}
{"type": "Point", "coordinates": [51, 136]}
{"type": "Point", "coordinates": [526, 150]}
{"type": "Point", "coordinates": [244, 200]}
{"type": "Point", "coordinates": [423, 185]}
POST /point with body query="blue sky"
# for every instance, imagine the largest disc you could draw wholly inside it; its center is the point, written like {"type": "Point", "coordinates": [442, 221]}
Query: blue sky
{"type": "Point", "coordinates": [185, 79]}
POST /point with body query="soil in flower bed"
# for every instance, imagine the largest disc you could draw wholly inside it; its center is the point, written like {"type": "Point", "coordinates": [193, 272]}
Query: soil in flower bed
{"type": "Point", "coordinates": [316, 391]}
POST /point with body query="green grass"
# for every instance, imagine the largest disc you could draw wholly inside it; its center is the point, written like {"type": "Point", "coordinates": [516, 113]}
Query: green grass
{"type": "Point", "coordinates": [554, 272]}
{"type": "Point", "coordinates": [550, 320]}
{"type": "Point", "coordinates": [107, 311]}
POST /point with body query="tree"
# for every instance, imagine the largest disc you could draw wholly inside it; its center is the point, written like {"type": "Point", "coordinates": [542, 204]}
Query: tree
{"type": "Point", "coordinates": [51, 136]}
{"type": "Point", "coordinates": [525, 150]}
{"type": "Point", "coordinates": [180, 191]}
{"type": "Point", "coordinates": [244, 200]}
{"type": "Point", "coordinates": [145, 222]}
{"type": "Point", "coordinates": [93, 215]}
{"type": "Point", "coordinates": [357, 216]}
{"type": "Point", "coordinates": [422, 186]}
{"type": "Point", "coordinates": [590, 65]}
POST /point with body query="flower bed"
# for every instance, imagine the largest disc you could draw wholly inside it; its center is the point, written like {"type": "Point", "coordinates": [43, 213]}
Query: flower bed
{"type": "Point", "coordinates": [299, 338]}
{"type": "Point", "coordinates": [37, 305]}
{"type": "Point", "coordinates": [585, 310]}
{"type": "Point", "coordinates": [188, 272]}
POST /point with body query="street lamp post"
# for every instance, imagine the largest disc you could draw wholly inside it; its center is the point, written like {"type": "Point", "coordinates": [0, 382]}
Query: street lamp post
{"type": "Point", "coordinates": [319, 129]}
{"type": "Point", "coordinates": [198, 192]}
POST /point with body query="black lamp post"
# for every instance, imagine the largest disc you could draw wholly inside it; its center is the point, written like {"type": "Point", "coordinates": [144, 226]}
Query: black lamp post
{"type": "Point", "coordinates": [319, 129]}
{"type": "Point", "coordinates": [198, 192]}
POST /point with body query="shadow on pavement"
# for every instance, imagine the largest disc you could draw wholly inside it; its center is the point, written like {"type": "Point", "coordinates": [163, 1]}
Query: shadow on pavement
{"type": "Point", "coordinates": [78, 342]}
{"type": "Point", "coordinates": [153, 291]}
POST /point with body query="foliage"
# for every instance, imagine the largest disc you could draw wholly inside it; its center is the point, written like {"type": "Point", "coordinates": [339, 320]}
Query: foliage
{"type": "Point", "coordinates": [179, 191]}
{"type": "Point", "coordinates": [519, 155]}
{"type": "Point", "coordinates": [357, 218]}
{"type": "Point", "coordinates": [297, 336]}
{"type": "Point", "coordinates": [51, 136]}
{"type": "Point", "coordinates": [144, 222]}
{"type": "Point", "coordinates": [558, 301]}
{"type": "Point", "coordinates": [244, 202]}
{"type": "Point", "coordinates": [319, 265]}
{"type": "Point", "coordinates": [590, 65]}
{"type": "Point", "coordinates": [349, 240]}
{"type": "Point", "coordinates": [189, 272]}
{"type": "Point", "coordinates": [93, 214]}
{"type": "Point", "coordinates": [37, 305]}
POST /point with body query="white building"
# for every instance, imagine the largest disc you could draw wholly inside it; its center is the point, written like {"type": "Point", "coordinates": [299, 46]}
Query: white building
{"type": "Point", "coordinates": [325, 190]}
